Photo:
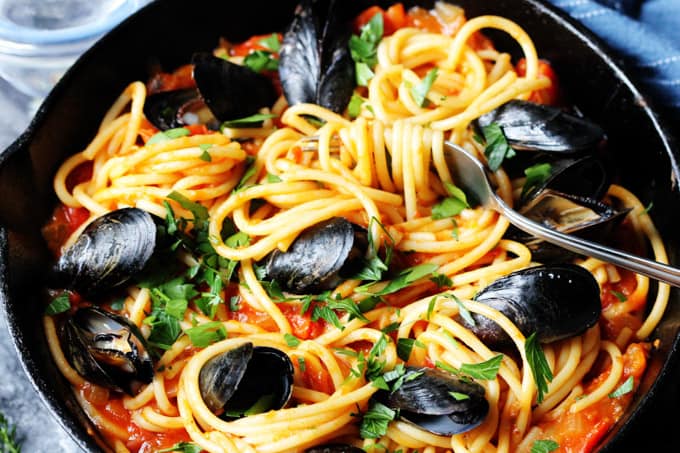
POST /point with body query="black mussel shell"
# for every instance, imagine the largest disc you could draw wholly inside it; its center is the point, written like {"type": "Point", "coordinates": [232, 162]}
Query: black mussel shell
{"type": "Point", "coordinates": [244, 377]}
{"type": "Point", "coordinates": [335, 448]}
{"type": "Point", "coordinates": [537, 127]}
{"type": "Point", "coordinates": [581, 216]}
{"type": "Point", "coordinates": [315, 63]}
{"type": "Point", "coordinates": [109, 251]}
{"type": "Point", "coordinates": [171, 109]}
{"type": "Point", "coordinates": [319, 258]}
{"type": "Point", "coordinates": [556, 301]}
{"type": "Point", "coordinates": [437, 401]}
{"type": "Point", "coordinates": [231, 91]}
{"type": "Point", "coordinates": [584, 177]}
{"type": "Point", "coordinates": [107, 349]}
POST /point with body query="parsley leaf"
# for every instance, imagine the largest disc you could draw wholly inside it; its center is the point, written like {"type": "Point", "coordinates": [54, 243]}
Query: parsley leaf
{"type": "Point", "coordinates": [441, 280]}
{"type": "Point", "coordinates": [419, 92]}
{"type": "Point", "coordinates": [463, 311]}
{"type": "Point", "coordinates": [459, 396]}
{"type": "Point", "coordinates": [8, 439]}
{"type": "Point", "coordinates": [261, 60]}
{"type": "Point", "coordinates": [539, 366]}
{"type": "Point", "coordinates": [485, 370]}
{"type": "Point", "coordinates": [497, 147]}
{"type": "Point", "coordinates": [291, 340]}
{"type": "Point", "coordinates": [624, 388]}
{"type": "Point", "coordinates": [536, 175]}
{"type": "Point", "coordinates": [183, 447]}
{"type": "Point", "coordinates": [354, 107]}
{"type": "Point", "coordinates": [406, 277]}
{"type": "Point", "coordinates": [452, 205]}
{"type": "Point", "coordinates": [544, 446]}
{"type": "Point", "coordinates": [364, 49]}
{"type": "Point", "coordinates": [405, 346]}
{"type": "Point", "coordinates": [271, 42]}
{"type": "Point", "coordinates": [203, 335]}
{"type": "Point", "coordinates": [249, 121]}
{"type": "Point", "coordinates": [302, 364]}
{"type": "Point", "coordinates": [375, 421]}
{"type": "Point", "coordinates": [273, 178]}
{"type": "Point", "coordinates": [59, 304]}
{"type": "Point", "coordinates": [620, 296]}
{"type": "Point", "coordinates": [325, 313]}
{"type": "Point", "coordinates": [168, 134]}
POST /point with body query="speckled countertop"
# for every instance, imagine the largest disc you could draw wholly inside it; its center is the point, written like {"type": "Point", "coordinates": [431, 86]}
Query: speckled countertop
{"type": "Point", "coordinates": [36, 428]}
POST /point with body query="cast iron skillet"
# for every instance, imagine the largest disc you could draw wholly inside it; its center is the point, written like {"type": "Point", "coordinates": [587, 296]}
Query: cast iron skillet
{"type": "Point", "coordinates": [642, 157]}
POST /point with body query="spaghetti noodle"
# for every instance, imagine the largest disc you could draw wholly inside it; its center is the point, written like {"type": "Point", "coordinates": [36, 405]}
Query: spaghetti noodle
{"type": "Point", "coordinates": [385, 170]}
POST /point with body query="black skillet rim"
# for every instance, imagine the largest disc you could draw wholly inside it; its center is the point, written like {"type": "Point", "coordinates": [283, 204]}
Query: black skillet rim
{"type": "Point", "coordinates": [79, 433]}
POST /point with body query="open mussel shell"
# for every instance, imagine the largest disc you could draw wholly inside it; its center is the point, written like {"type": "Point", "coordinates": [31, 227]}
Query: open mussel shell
{"type": "Point", "coordinates": [224, 91]}
{"type": "Point", "coordinates": [107, 349]}
{"type": "Point", "coordinates": [335, 448]}
{"type": "Point", "coordinates": [556, 301]}
{"type": "Point", "coordinates": [583, 177]}
{"type": "Point", "coordinates": [231, 91]}
{"type": "Point", "coordinates": [581, 216]}
{"type": "Point", "coordinates": [537, 127]}
{"type": "Point", "coordinates": [247, 380]}
{"type": "Point", "coordinates": [319, 258]}
{"type": "Point", "coordinates": [315, 62]}
{"type": "Point", "coordinates": [109, 251]}
{"type": "Point", "coordinates": [437, 401]}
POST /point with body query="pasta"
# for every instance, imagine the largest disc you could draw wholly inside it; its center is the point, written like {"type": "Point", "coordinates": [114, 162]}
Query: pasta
{"type": "Point", "coordinates": [381, 166]}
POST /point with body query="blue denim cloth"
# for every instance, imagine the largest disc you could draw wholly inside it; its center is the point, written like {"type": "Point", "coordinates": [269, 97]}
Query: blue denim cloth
{"type": "Point", "coordinates": [646, 34]}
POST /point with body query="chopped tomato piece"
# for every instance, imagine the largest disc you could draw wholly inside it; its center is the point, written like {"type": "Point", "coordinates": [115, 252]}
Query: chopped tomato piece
{"type": "Point", "coordinates": [302, 324]}
{"type": "Point", "coordinates": [422, 19]}
{"type": "Point", "coordinates": [198, 129]}
{"type": "Point", "coordinates": [549, 95]}
{"type": "Point", "coordinates": [65, 220]}
{"type": "Point", "coordinates": [147, 130]}
{"type": "Point", "coordinates": [252, 44]}
{"type": "Point", "coordinates": [394, 18]}
{"type": "Point", "coordinates": [180, 78]}
{"type": "Point", "coordinates": [316, 377]}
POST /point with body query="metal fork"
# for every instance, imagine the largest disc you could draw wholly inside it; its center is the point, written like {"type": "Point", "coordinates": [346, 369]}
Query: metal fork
{"type": "Point", "coordinates": [471, 176]}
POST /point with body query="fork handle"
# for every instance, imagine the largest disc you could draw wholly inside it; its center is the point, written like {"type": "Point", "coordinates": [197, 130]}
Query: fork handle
{"type": "Point", "coordinates": [644, 266]}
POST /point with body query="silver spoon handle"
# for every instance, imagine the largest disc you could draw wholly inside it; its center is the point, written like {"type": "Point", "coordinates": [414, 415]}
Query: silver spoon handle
{"type": "Point", "coordinates": [647, 267]}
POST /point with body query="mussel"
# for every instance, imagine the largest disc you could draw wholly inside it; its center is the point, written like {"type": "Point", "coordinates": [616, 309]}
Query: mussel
{"type": "Point", "coordinates": [107, 349]}
{"type": "Point", "coordinates": [315, 64]}
{"type": "Point", "coordinates": [437, 401]}
{"type": "Point", "coordinates": [109, 251]}
{"type": "Point", "coordinates": [555, 301]}
{"type": "Point", "coordinates": [538, 127]}
{"type": "Point", "coordinates": [224, 91]}
{"type": "Point", "coordinates": [582, 216]}
{"type": "Point", "coordinates": [319, 258]}
{"type": "Point", "coordinates": [335, 448]}
{"type": "Point", "coordinates": [246, 380]}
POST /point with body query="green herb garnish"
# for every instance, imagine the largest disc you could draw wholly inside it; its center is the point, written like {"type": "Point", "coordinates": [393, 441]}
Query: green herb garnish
{"type": "Point", "coordinates": [497, 147]}
{"type": "Point", "coordinates": [451, 205]}
{"type": "Point", "coordinates": [8, 437]}
{"type": "Point", "coordinates": [169, 134]}
{"type": "Point", "coordinates": [249, 121]}
{"type": "Point", "coordinates": [364, 49]}
{"type": "Point", "coordinates": [261, 60]}
{"type": "Point", "coordinates": [203, 335]}
{"type": "Point", "coordinates": [375, 421]}
{"type": "Point", "coordinates": [484, 370]}
{"type": "Point", "coordinates": [624, 388]}
{"type": "Point", "coordinates": [536, 175]}
{"type": "Point", "coordinates": [59, 304]}
{"type": "Point", "coordinates": [291, 340]}
{"type": "Point", "coordinates": [183, 447]}
{"type": "Point", "coordinates": [419, 92]}
{"type": "Point", "coordinates": [544, 446]}
{"type": "Point", "coordinates": [539, 366]}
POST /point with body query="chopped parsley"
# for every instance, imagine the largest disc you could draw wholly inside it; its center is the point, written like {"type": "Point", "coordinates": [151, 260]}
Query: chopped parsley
{"type": "Point", "coordinates": [364, 49]}
{"type": "Point", "coordinates": [249, 121]}
{"type": "Point", "coordinates": [271, 42]}
{"type": "Point", "coordinates": [544, 446]}
{"type": "Point", "coordinates": [419, 92]}
{"type": "Point", "coordinates": [404, 279]}
{"type": "Point", "coordinates": [624, 388]}
{"type": "Point", "coordinates": [203, 335]}
{"type": "Point", "coordinates": [354, 107]}
{"type": "Point", "coordinates": [168, 134]}
{"type": "Point", "coordinates": [620, 296]}
{"type": "Point", "coordinates": [459, 396]}
{"type": "Point", "coordinates": [451, 205]}
{"type": "Point", "coordinates": [376, 420]}
{"type": "Point", "coordinates": [8, 437]}
{"type": "Point", "coordinates": [183, 447]}
{"type": "Point", "coordinates": [302, 364]}
{"type": "Point", "coordinates": [261, 60]}
{"type": "Point", "coordinates": [536, 175]}
{"type": "Point", "coordinates": [291, 340]}
{"type": "Point", "coordinates": [539, 366]}
{"type": "Point", "coordinates": [485, 371]}
{"type": "Point", "coordinates": [59, 304]}
{"type": "Point", "coordinates": [441, 280]}
{"type": "Point", "coordinates": [405, 346]}
{"type": "Point", "coordinates": [249, 172]}
{"type": "Point", "coordinates": [497, 147]}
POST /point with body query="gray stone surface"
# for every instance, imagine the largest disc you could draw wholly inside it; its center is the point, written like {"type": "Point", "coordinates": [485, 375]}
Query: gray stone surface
{"type": "Point", "coordinates": [37, 430]}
